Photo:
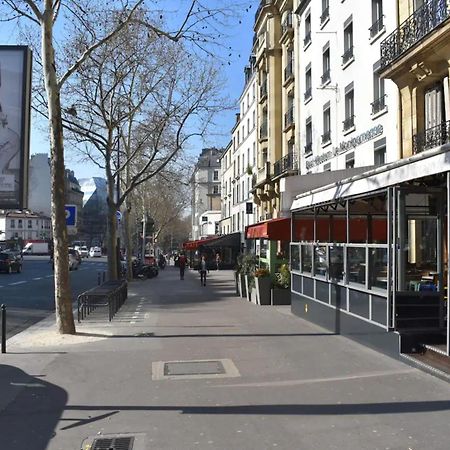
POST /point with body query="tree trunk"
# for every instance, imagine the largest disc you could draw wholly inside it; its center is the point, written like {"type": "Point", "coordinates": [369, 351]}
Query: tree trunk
{"type": "Point", "coordinates": [63, 295]}
{"type": "Point", "coordinates": [128, 241]}
{"type": "Point", "coordinates": [112, 232]}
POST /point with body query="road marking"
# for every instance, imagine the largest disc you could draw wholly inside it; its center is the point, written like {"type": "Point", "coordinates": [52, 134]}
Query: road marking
{"type": "Point", "coordinates": [37, 278]}
{"type": "Point", "coordinates": [49, 276]}
{"type": "Point", "coordinates": [16, 283]}
{"type": "Point", "coordinates": [132, 322]}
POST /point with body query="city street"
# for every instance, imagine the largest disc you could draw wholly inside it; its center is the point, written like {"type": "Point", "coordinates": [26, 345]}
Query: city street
{"type": "Point", "coordinates": [29, 295]}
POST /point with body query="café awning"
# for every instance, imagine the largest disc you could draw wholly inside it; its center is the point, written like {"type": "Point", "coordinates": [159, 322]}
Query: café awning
{"type": "Point", "coordinates": [194, 245]}
{"type": "Point", "coordinates": [227, 240]}
{"type": "Point", "coordinates": [273, 230]}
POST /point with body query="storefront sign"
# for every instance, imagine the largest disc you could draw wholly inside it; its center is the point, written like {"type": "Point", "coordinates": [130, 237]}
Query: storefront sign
{"type": "Point", "coordinates": [15, 81]}
{"type": "Point", "coordinates": [345, 146]}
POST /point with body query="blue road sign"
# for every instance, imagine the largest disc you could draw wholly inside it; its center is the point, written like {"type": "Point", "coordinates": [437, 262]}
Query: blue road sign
{"type": "Point", "coordinates": [71, 215]}
{"type": "Point", "coordinates": [118, 216]}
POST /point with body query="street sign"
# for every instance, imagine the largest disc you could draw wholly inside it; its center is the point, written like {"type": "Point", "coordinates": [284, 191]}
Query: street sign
{"type": "Point", "coordinates": [71, 215]}
{"type": "Point", "coordinates": [118, 216]}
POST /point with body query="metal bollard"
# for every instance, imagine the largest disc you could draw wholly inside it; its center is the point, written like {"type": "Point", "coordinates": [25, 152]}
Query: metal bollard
{"type": "Point", "coordinates": [3, 308]}
{"type": "Point", "coordinates": [99, 274]}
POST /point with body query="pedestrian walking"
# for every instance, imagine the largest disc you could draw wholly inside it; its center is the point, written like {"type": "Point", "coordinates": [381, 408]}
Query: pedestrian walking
{"type": "Point", "coordinates": [182, 265]}
{"type": "Point", "coordinates": [203, 271]}
{"type": "Point", "coordinates": [217, 261]}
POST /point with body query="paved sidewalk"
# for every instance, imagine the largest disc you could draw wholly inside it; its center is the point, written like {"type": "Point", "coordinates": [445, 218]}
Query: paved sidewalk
{"type": "Point", "coordinates": [289, 384]}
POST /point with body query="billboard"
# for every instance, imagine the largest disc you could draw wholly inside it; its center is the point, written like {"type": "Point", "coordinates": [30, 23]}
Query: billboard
{"type": "Point", "coordinates": [15, 91]}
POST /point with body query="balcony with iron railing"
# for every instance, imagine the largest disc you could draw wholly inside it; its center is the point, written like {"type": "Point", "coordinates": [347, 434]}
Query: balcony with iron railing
{"type": "Point", "coordinates": [376, 27]}
{"type": "Point", "coordinates": [308, 93]}
{"type": "Point", "coordinates": [289, 117]}
{"type": "Point", "coordinates": [378, 105]}
{"type": "Point", "coordinates": [349, 123]}
{"type": "Point", "coordinates": [325, 15]}
{"type": "Point", "coordinates": [348, 55]}
{"type": "Point", "coordinates": [289, 71]}
{"type": "Point", "coordinates": [285, 164]}
{"type": "Point", "coordinates": [325, 78]}
{"type": "Point", "coordinates": [262, 3]}
{"type": "Point", "coordinates": [287, 24]}
{"type": "Point", "coordinates": [263, 173]}
{"type": "Point", "coordinates": [418, 25]}
{"type": "Point", "coordinates": [432, 138]}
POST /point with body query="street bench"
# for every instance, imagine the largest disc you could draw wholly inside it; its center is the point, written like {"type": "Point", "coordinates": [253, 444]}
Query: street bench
{"type": "Point", "coordinates": [110, 294]}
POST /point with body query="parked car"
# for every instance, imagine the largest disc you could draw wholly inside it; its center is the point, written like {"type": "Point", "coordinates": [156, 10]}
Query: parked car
{"type": "Point", "coordinates": [95, 252]}
{"type": "Point", "coordinates": [74, 262]}
{"type": "Point", "coordinates": [10, 262]}
{"type": "Point", "coordinates": [84, 252]}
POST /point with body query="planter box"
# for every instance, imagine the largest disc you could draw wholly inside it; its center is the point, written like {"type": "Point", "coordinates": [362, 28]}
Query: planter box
{"type": "Point", "coordinates": [241, 285]}
{"type": "Point", "coordinates": [247, 288]}
{"type": "Point", "coordinates": [263, 285]}
{"type": "Point", "coordinates": [236, 282]}
{"type": "Point", "coordinates": [280, 296]}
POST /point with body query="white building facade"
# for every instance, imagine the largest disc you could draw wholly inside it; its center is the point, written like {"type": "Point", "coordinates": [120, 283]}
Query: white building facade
{"type": "Point", "coordinates": [24, 225]}
{"type": "Point", "coordinates": [346, 116]}
{"type": "Point", "coordinates": [239, 167]}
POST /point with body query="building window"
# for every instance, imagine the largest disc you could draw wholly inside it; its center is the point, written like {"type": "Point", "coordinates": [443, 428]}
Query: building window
{"type": "Point", "coordinates": [308, 145]}
{"type": "Point", "coordinates": [19, 223]}
{"type": "Point", "coordinates": [13, 223]}
{"type": "Point", "coordinates": [377, 18]}
{"type": "Point", "coordinates": [326, 136]}
{"type": "Point", "coordinates": [215, 189]}
{"type": "Point", "coordinates": [216, 175]}
{"type": "Point", "coordinates": [379, 152]}
{"type": "Point", "coordinates": [325, 12]}
{"type": "Point", "coordinates": [30, 225]}
{"type": "Point", "coordinates": [326, 64]}
{"type": "Point", "coordinates": [348, 41]}
{"type": "Point", "coordinates": [327, 167]}
{"type": "Point", "coordinates": [289, 69]}
{"type": "Point", "coordinates": [307, 39]}
{"type": "Point", "coordinates": [349, 121]}
{"type": "Point", "coordinates": [379, 97]}
{"type": "Point", "coordinates": [289, 114]}
{"type": "Point", "coordinates": [308, 83]}
{"type": "Point", "coordinates": [350, 160]}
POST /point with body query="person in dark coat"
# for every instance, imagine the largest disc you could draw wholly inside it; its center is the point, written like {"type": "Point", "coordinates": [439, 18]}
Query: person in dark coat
{"type": "Point", "coordinates": [182, 265]}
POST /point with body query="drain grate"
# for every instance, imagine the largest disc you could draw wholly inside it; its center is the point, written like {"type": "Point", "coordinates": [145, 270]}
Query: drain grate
{"type": "Point", "coordinates": [194, 368]}
{"type": "Point", "coordinates": [117, 443]}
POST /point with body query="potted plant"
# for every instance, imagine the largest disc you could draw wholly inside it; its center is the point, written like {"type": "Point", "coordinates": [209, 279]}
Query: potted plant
{"type": "Point", "coordinates": [281, 292]}
{"type": "Point", "coordinates": [249, 170]}
{"type": "Point", "coordinates": [263, 284]}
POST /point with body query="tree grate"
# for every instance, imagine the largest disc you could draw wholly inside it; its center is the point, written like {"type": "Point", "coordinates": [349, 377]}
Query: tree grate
{"type": "Point", "coordinates": [117, 443]}
{"type": "Point", "coordinates": [194, 368]}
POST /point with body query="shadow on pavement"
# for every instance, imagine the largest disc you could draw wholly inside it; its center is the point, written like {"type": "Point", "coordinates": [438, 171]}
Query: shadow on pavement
{"type": "Point", "coordinates": [225, 335]}
{"type": "Point", "coordinates": [295, 409]}
{"type": "Point", "coordinates": [30, 409]}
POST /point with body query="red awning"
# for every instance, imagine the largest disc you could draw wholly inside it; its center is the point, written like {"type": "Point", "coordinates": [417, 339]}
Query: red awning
{"type": "Point", "coordinates": [274, 230]}
{"type": "Point", "coordinates": [194, 245]}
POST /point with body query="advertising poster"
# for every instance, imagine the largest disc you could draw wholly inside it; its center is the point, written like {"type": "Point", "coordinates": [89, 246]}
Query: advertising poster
{"type": "Point", "coordinates": [15, 80]}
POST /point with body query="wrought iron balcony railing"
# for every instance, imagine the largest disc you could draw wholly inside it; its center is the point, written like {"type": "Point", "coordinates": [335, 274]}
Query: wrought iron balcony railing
{"type": "Point", "coordinates": [308, 148]}
{"type": "Point", "coordinates": [349, 122]}
{"type": "Point", "coordinates": [376, 27]}
{"type": "Point", "coordinates": [307, 38]}
{"type": "Point", "coordinates": [287, 24]}
{"type": "Point", "coordinates": [432, 137]}
{"type": "Point", "coordinates": [289, 117]}
{"type": "Point", "coordinates": [308, 93]}
{"type": "Point", "coordinates": [287, 162]}
{"type": "Point", "coordinates": [413, 29]}
{"type": "Point", "coordinates": [326, 137]}
{"type": "Point", "coordinates": [348, 55]}
{"type": "Point", "coordinates": [325, 15]}
{"type": "Point", "coordinates": [378, 105]}
{"type": "Point", "coordinates": [325, 78]}
{"type": "Point", "coordinates": [289, 70]}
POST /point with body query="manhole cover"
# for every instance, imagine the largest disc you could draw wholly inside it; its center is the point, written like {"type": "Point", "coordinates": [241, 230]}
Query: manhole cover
{"type": "Point", "coordinates": [194, 368]}
{"type": "Point", "coordinates": [119, 443]}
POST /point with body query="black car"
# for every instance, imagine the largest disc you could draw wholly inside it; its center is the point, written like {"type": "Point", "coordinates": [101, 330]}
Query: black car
{"type": "Point", "coordinates": [10, 262]}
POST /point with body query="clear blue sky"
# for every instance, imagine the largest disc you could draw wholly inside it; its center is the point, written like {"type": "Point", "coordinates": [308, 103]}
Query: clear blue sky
{"type": "Point", "coordinates": [239, 38]}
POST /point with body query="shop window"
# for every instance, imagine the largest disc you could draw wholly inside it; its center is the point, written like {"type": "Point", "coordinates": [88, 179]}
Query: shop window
{"type": "Point", "coordinates": [336, 256]}
{"type": "Point", "coordinates": [263, 248]}
{"type": "Point", "coordinates": [306, 254]}
{"type": "Point", "coordinates": [320, 260]}
{"type": "Point", "coordinates": [356, 261]}
{"type": "Point", "coordinates": [350, 160]}
{"type": "Point", "coordinates": [378, 268]}
{"type": "Point", "coordinates": [295, 257]}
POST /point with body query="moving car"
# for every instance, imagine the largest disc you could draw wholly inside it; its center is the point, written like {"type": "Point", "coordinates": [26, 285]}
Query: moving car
{"type": "Point", "coordinates": [95, 252]}
{"type": "Point", "coordinates": [10, 262]}
{"type": "Point", "coordinates": [73, 259]}
{"type": "Point", "coordinates": [84, 252]}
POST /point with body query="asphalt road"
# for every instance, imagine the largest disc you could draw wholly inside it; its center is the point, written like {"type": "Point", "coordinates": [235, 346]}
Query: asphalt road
{"type": "Point", "coordinates": [29, 295]}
